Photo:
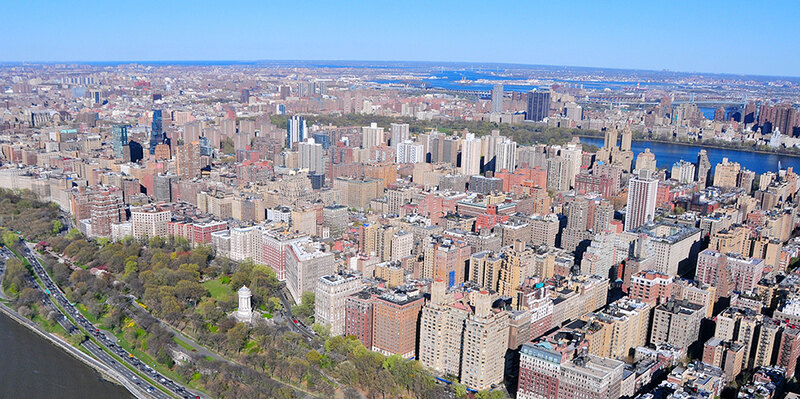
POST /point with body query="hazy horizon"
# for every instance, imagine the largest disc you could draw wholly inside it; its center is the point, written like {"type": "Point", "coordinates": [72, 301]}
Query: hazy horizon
{"type": "Point", "coordinates": [706, 37]}
{"type": "Point", "coordinates": [390, 63]}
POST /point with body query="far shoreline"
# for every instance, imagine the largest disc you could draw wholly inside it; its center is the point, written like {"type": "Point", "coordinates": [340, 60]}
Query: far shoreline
{"type": "Point", "coordinates": [701, 145]}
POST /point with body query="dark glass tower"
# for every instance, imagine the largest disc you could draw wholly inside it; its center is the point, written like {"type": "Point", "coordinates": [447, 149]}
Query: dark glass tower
{"type": "Point", "coordinates": [120, 139]}
{"type": "Point", "coordinates": [538, 105]}
{"type": "Point", "coordinates": [157, 131]}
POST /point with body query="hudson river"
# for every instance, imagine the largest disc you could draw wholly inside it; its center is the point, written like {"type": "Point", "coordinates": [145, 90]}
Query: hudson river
{"type": "Point", "coordinates": [667, 154]}
{"type": "Point", "coordinates": [33, 368]}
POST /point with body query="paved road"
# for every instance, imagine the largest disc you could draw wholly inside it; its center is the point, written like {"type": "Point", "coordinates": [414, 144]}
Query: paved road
{"type": "Point", "coordinates": [294, 323]}
{"type": "Point", "coordinates": [51, 289]}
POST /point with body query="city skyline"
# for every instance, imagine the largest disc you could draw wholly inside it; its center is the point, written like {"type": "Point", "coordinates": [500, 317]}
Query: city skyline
{"type": "Point", "coordinates": [310, 221]}
{"type": "Point", "coordinates": [696, 38]}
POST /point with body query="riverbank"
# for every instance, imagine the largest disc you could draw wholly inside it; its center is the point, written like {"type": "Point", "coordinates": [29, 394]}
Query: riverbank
{"type": "Point", "coordinates": [104, 371]}
{"type": "Point", "coordinates": [704, 145]}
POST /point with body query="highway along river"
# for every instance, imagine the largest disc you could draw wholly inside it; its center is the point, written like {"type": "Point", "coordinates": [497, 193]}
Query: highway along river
{"type": "Point", "coordinates": [33, 368]}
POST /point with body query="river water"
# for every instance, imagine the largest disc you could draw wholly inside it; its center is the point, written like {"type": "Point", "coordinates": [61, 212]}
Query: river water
{"type": "Point", "coordinates": [33, 368]}
{"type": "Point", "coordinates": [667, 154]}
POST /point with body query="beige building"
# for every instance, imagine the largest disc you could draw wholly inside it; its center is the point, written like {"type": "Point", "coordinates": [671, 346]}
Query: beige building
{"type": "Point", "coordinates": [371, 136]}
{"type": "Point", "coordinates": [726, 173]}
{"type": "Point", "coordinates": [304, 220]}
{"type": "Point", "coordinates": [306, 263]}
{"type": "Point", "coordinates": [329, 302]}
{"type": "Point", "coordinates": [628, 321]}
{"type": "Point", "coordinates": [485, 343]}
{"type": "Point", "coordinates": [676, 323]}
{"type": "Point", "coordinates": [358, 193]}
{"type": "Point", "coordinates": [590, 377]}
{"type": "Point", "coordinates": [646, 161]}
{"type": "Point", "coordinates": [245, 244]}
{"type": "Point", "coordinates": [544, 229]}
{"type": "Point", "coordinates": [150, 222]}
{"type": "Point", "coordinates": [457, 340]}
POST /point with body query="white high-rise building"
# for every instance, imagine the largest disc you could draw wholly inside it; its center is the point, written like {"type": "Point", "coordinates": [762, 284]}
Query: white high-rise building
{"type": "Point", "coordinates": [641, 207]}
{"type": "Point", "coordinates": [245, 243]}
{"type": "Point", "coordinates": [310, 154]}
{"type": "Point", "coordinates": [683, 172]}
{"type": "Point", "coordinates": [371, 136]}
{"type": "Point", "coordinates": [400, 133]}
{"type": "Point", "coordinates": [329, 303]}
{"type": "Point", "coordinates": [306, 262]}
{"type": "Point", "coordinates": [489, 149]}
{"type": "Point", "coordinates": [471, 155]}
{"type": "Point", "coordinates": [573, 153]}
{"type": "Point", "coordinates": [505, 155]}
{"type": "Point", "coordinates": [410, 152]}
{"type": "Point", "coordinates": [402, 244]}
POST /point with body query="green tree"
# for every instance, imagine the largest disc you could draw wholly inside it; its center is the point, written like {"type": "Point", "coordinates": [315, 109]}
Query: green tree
{"type": "Point", "coordinates": [323, 331]}
{"type": "Point", "coordinates": [190, 291]}
{"type": "Point", "coordinates": [306, 306]}
{"type": "Point", "coordinates": [314, 357]}
{"type": "Point", "coordinates": [275, 304]}
{"type": "Point", "coordinates": [10, 238]}
{"type": "Point", "coordinates": [74, 234]}
{"type": "Point", "coordinates": [131, 267]}
{"type": "Point", "coordinates": [57, 226]}
{"type": "Point", "coordinates": [460, 390]}
{"type": "Point", "coordinates": [236, 337]}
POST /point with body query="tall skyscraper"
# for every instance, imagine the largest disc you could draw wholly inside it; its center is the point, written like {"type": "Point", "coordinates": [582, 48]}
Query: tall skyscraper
{"type": "Point", "coordinates": [538, 105]}
{"type": "Point", "coordinates": [371, 136]}
{"type": "Point", "coordinates": [611, 137]}
{"type": "Point", "coordinates": [156, 131]}
{"type": "Point", "coordinates": [506, 156]}
{"type": "Point", "coordinates": [394, 323]}
{"type": "Point", "coordinates": [311, 156]}
{"type": "Point", "coordinates": [120, 140]}
{"type": "Point", "coordinates": [410, 152]}
{"type": "Point", "coordinates": [641, 207]}
{"type": "Point", "coordinates": [400, 133]}
{"type": "Point", "coordinates": [703, 168]}
{"type": "Point", "coordinates": [331, 294]}
{"type": "Point", "coordinates": [296, 130]}
{"type": "Point", "coordinates": [497, 99]}
{"type": "Point", "coordinates": [627, 137]}
{"type": "Point", "coordinates": [471, 155]}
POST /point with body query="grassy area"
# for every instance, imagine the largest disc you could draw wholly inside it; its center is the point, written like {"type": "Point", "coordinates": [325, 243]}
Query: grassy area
{"type": "Point", "coordinates": [53, 328]}
{"type": "Point", "coordinates": [217, 289]}
{"type": "Point", "coordinates": [22, 258]}
{"type": "Point", "coordinates": [183, 344]}
{"type": "Point", "coordinates": [86, 314]}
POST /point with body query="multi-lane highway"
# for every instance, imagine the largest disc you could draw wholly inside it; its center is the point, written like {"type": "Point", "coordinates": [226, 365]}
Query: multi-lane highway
{"type": "Point", "coordinates": [50, 289]}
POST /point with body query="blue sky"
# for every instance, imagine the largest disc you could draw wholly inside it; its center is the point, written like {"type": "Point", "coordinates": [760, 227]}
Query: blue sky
{"type": "Point", "coordinates": [693, 36]}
